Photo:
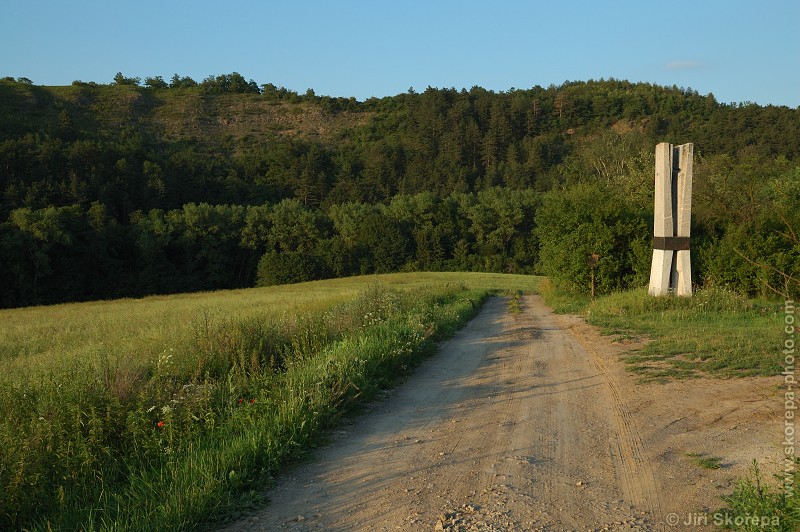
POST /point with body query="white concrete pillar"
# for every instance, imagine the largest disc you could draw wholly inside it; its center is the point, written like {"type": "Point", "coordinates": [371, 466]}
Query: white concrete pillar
{"type": "Point", "coordinates": [671, 270]}
{"type": "Point", "coordinates": [683, 263]}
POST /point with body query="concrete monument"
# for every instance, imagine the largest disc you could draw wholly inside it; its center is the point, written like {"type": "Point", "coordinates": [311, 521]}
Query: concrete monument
{"type": "Point", "coordinates": [671, 271]}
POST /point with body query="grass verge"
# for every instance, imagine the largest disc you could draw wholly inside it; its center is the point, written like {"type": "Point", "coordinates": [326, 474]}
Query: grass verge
{"type": "Point", "coordinates": [166, 413]}
{"type": "Point", "coordinates": [716, 332]}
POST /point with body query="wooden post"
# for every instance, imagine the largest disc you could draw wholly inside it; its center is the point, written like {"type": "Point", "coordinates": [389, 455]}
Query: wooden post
{"type": "Point", "coordinates": [671, 270]}
{"type": "Point", "coordinates": [593, 260]}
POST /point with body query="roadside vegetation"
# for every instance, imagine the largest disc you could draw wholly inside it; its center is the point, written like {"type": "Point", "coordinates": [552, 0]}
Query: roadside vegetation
{"type": "Point", "coordinates": [166, 412]}
{"type": "Point", "coordinates": [715, 333]}
{"type": "Point", "coordinates": [759, 505]}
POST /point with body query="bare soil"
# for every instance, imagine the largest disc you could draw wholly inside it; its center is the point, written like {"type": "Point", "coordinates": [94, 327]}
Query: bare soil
{"type": "Point", "coordinates": [530, 422]}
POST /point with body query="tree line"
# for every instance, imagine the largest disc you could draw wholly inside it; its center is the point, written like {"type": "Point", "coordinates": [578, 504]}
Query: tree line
{"type": "Point", "coordinates": [92, 182]}
{"type": "Point", "coordinates": [745, 236]}
{"type": "Point", "coordinates": [60, 254]}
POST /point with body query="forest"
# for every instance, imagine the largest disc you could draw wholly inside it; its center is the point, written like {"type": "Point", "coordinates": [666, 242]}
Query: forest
{"type": "Point", "coordinates": [147, 187]}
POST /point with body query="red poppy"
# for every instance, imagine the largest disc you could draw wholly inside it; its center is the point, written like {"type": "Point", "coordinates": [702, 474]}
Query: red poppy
{"type": "Point", "coordinates": [240, 400]}
{"type": "Point", "coordinates": [252, 401]}
{"type": "Point", "coordinates": [160, 424]}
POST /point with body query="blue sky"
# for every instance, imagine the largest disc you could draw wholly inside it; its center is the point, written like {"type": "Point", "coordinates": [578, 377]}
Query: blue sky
{"type": "Point", "coordinates": [737, 50]}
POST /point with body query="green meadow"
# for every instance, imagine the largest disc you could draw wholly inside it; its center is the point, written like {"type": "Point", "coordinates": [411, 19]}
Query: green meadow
{"type": "Point", "coordinates": [170, 412]}
{"type": "Point", "coordinates": [173, 412]}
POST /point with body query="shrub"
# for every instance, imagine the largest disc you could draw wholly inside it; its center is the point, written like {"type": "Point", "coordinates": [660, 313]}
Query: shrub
{"type": "Point", "coordinates": [585, 219]}
{"type": "Point", "coordinates": [751, 259]}
{"type": "Point", "coordinates": [289, 267]}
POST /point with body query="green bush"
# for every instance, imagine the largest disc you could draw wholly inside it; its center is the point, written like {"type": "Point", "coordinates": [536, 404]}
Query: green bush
{"type": "Point", "coordinates": [288, 267]}
{"type": "Point", "coordinates": [751, 259]}
{"type": "Point", "coordinates": [585, 219]}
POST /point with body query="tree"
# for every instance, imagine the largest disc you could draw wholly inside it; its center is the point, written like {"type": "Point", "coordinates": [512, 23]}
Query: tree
{"type": "Point", "coordinates": [156, 82]}
{"type": "Point", "coordinates": [66, 126]}
{"type": "Point", "coordinates": [429, 219]}
{"type": "Point", "coordinates": [210, 236]}
{"type": "Point", "coordinates": [257, 225]}
{"type": "Point", "coordinates": [618, 160]}
{"type": "Point", "coordinates": [46, 271]}
{"type": "Point", "coordinates": [154, 238]}
{"type": "Point", "coordinates": [388, 245]}
{"type": "Point", "coordinates": [311, 184]}
{"type": "Point", "coordinates": [560, 103]}
{"type": "Point", "coordinates": [498, 216]}
{"type": "Point", "coordinates": [295, 227]}
{"type": "Point", "coordinates": [290, 267]}
{"type": "Point", "coordinates": [349, 220]}
{"type": "Point", "coordinates": [178, 82]}
{"type": "Point", "coordinates": [749, 224]}
{"type": "Point", "coordinates": [229, 83]}
{"type": "Point", "coordinates": [119, 79]}
{"type": "Point", "coordinates": [589, 219]}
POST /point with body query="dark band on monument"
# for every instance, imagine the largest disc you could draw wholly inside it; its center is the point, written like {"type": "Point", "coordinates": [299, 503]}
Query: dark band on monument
{"type": "Point", "coordinates": [671, 242]}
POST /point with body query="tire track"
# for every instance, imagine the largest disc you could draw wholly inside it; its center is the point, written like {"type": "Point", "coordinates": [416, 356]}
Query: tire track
{"type": "Point", "coordinates": [513, 425]}
{"type": "Point", "coordinates": [639, 484]}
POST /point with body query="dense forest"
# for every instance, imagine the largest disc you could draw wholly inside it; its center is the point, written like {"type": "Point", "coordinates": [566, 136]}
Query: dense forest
{"type": "Point", "coordinates": [142, 187]}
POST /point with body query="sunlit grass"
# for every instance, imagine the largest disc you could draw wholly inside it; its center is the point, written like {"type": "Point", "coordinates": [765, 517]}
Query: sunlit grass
{"type": "Point", "coordinates": [164, 412]}
{"type": "Point", "coordinates": [141, 328]}
{"type": "Point", "coordinates": [716, 332]}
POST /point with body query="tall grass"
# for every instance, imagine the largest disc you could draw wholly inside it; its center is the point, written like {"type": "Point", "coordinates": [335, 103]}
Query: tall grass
{"type": "Point", "coordinates": [164, 413]}
{"type": "Point", "coordinates": [758, 505]}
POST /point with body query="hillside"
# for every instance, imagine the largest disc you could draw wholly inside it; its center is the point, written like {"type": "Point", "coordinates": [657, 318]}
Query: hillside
{"type": "Point", "coordinates": [164, 188]}
{"type": "Point", "coordinates": [61, 145]}
{"type": "Point", "coordinates": [167, 115]}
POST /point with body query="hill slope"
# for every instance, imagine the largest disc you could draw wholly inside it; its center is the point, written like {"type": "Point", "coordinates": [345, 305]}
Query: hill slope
{"type": "Point", "coordinates": [119, 190]}
{"type": "Point", "coordinates": [244, 148]}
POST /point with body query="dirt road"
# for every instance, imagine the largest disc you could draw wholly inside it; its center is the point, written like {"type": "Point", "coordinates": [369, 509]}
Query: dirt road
{"type": "Point", "coordinates": [529, 422]}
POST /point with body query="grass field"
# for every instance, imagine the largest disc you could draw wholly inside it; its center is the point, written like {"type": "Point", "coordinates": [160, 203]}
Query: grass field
{"type": "Point", "coordinates": [168, 412]}
{"type": "Point", "coordinates": [172, 412]}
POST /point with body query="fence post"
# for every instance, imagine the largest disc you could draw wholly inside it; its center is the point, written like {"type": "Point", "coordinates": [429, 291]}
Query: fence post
{"type": "Point", "coordinates": [671, 270]}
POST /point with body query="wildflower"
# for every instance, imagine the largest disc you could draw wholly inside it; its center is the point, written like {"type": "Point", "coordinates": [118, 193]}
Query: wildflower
{"type": "Point", "coordinates": [240, 400]}
{"type": "Point", "coordinates": [160, 424]}
{"type": "Point", "coordinates": [252, 401]}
